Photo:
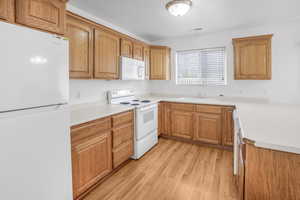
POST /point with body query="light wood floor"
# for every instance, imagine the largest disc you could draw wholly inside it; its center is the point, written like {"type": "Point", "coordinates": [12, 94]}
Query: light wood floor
{"type": "Point", "coordinates": [172, 171]}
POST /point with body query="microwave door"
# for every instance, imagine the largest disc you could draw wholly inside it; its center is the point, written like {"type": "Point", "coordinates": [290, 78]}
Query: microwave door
{"type": "Point", "coordinates": [129, 71]}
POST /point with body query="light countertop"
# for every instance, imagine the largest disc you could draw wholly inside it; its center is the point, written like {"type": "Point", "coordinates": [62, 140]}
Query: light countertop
{"type": "Point", "coordinates": [91, 111]}
{"type": "Point", "coordinates": [269, 125]}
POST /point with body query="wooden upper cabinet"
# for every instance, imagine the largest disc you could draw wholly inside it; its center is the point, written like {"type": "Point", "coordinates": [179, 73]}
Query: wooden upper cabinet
{"type": "Point", "coordinates": [107, 52]}
{"type": "Point", "coordinates": [80, 36]}
{"type": "Point", "coordinates": [228, 127]}
{"type": "Point", "coordinates": [7, 10]}
{"type": "Point", "coordinates": [48, 15]}
{"type": "Point", "coordinates": [126, 48]}
{"type": "Point", "coordinates": [91, 161]}
{"type": "Point", "coordinates": [208, 128]}
{"type": "Point", "coordinates": [253, 58]}
{"type": "Point", "coordinates": [147, 62]}
{"type": "Point", "coordinates": [182, 124]}
{"type": "Point", "coordinates": [138, 51]}
{"type": "Point", "coordinates": [159, 63]}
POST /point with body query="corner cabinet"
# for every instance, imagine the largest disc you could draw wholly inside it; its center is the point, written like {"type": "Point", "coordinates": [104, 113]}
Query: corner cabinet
{"type": "Point", "coordinates": [48, 15]}
{"type": "Point", "coordinates": [253, 58]}
{"type": "Point", "coordinates": [7, 10]}
{"type": "Point", "coordinates": [107, 52]}
{"type": "Point", "coordinates": [159, 63]}
{"type": "Point", "coordinates": [81, 47]}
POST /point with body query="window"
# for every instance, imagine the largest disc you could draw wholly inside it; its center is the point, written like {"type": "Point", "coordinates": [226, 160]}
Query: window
{"type": "Point", "coordinates": [201, 67]}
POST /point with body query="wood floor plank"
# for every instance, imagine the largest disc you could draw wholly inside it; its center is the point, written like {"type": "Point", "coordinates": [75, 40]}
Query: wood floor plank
{"type": "Point", "coordinates": [172, 170]}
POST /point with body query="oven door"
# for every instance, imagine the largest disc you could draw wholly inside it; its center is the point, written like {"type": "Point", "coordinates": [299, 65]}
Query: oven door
{"type": "Point", "coordinates": [146, 121]}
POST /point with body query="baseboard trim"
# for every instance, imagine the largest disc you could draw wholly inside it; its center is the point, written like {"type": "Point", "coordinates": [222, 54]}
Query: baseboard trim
{"type": "Point", "coordinates": [228, 148]}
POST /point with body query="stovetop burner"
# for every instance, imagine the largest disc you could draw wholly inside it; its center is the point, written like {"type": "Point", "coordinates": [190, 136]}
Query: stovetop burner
{"type": "Point", "coordinates": [135, 104]}
{"type": "Point", "coordinates": [146, 101]}
{"type": "Point", "coordinates": [135, 100]}
{"type": "Point", "coordinates": [124, 103]}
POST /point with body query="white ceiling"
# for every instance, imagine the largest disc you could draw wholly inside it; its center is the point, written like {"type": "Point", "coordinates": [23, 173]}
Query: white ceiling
{"type": "Point", "coordinates": [150, 20]}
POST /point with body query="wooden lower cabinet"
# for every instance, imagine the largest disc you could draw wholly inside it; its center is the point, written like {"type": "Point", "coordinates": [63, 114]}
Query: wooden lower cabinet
{"type": "Point", "coordinates": [99, 147]}
{"type": "Point", "coordinates": [7, 10]}
{"type": "Point", "coordinates": [159, 119]}
{"type": "Point", "coordinates": [122, 153]}
{"type": "Point", "coordinates": [182, 124]}
{"type": "Point", "coordinates": [201, 123]}
{"type": "Point", "coordinates": [228, 127]}
{"type": "Point", "coordinates": [208, 128]}
{"type": "Point", "coordinates": [271, 175]}
{"type": "Point", "coordinates": [91, 161]}
{"type": "Point", "coordinates": [240, 178]}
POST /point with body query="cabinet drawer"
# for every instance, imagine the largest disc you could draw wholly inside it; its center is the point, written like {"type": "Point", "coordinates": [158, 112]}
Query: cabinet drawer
{"type": "Point", "coordinates": [123, 153]}
{"type": "Point", "coordinates": [122, 135]}
{"type": "Point", "coordinates": [209, 109]}
{"type": "Point", "coordinates": [183, 107]}
{"type": "Point", "coordinates": [89, 129]}
{"type": "Point", "coordinates": [122, 118]}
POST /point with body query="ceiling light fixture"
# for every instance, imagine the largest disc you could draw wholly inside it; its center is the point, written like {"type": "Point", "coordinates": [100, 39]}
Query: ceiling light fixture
{"type": "Point", "coordinates": [179, 7]}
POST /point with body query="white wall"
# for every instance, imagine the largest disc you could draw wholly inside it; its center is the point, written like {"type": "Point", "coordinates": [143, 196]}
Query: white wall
{"type": "Point", "coordinates": [82, 91]}
{"type": "Point", "coordinates": [285, 84]}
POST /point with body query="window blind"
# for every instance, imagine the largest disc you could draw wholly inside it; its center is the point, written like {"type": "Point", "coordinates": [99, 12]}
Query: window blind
{"type": "Point", "coordinates": [201, 67]}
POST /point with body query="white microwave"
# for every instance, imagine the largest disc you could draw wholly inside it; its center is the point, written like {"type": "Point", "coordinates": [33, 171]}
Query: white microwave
{"type": "Point", "coordinates": [132, 69]}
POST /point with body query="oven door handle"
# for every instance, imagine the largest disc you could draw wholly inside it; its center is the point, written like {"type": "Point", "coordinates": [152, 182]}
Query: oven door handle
{"type": "Point", "coordinates": [148, 107]}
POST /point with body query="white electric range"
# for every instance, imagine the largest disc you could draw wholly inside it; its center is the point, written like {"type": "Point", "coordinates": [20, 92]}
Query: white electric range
{"type": "Point", "coordinates": [146, 125]}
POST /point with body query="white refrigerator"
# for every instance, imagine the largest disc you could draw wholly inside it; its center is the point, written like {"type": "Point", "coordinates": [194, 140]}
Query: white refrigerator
{"type": "Point", "coordinates": [35, 149]}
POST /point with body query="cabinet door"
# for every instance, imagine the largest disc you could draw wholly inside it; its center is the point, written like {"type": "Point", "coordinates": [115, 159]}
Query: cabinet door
{"type": "Point", "coordinates": [107, 51]}
{"type": "Point", "coordinates": [182, 124]}
{"type": "Point", "coordinates": [7, 11]}
{"type": "Point", "coordinates": [253, 58]}
{"type": "Point", "coordinates": [91, 161]}
{"type": "Point", "coordinates": [228, 129]}
{"type": "Point", "coordinates": [48, 15]}
{"type": "Point", "coordinates": [122, 153]}
{"type": "Point", "coordinates": [241, 176]}
{"type": "Point", "coordinates": [208, 128]}
{"type": "Point", "coordinates": [147, 62]}
{"type": "Point", "coordinates": [138, 51]}
{"type": "Point", "coordinates": [80, 36]}
{"type": "Point", "coordinates": [159, 63]}
{"type": "Point", "coordinates": [157, 60]}
{"type": "Point", "coordinates": [160, 117]}
{"type": "Point", "coordinates": [126, 48]}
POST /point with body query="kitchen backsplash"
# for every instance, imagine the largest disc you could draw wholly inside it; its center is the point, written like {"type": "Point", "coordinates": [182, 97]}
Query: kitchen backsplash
{"type": "Point", "coordinates": [83, 91]}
